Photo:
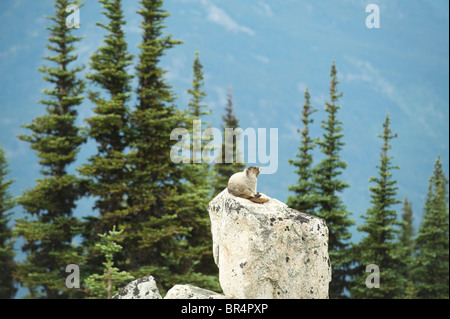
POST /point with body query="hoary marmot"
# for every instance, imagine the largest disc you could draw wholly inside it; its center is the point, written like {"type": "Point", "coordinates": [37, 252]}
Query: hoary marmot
{"type": "Point", "coordinates": [243, 184]}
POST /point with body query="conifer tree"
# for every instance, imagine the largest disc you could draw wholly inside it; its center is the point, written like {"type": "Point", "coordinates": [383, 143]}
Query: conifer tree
{"type": "Point", "coordinates": [304, 199]}
{"type": "Point", "coordinates": [407, 229]}
{"type": "Point", "coordinates": [406, 241]}
{"type": "Point", "coordinates": [48, 234]}
{"type": "Point", "coordinates": [154, 223]}
{"type": "Point", "coordinates": [107, 171]}
{"type": "Point", "coordinates": [196, 107]}
{"type": "Point", "coordinates": [158, 236]}
{"type": "Point", "coordinates": [222, 171]}
{"type": "Point", "coordinates": [198, 182]}
{"type": "Point", "coordinates": [107, 284]}
{"type": "Point", "coordinates": [328, 187]}
{"type": "Point", "coordinates": [7, 264]}
{"type": "Point", "coordinates": [380, 245]}
{"type": "Point", "coordinates": [432, 243]}
{"type": "Point", "coordinates": [196, 112]}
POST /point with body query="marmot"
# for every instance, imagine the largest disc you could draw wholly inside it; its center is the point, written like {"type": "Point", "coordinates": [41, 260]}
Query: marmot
{"type": "Point", "coordinates": [243, 184]}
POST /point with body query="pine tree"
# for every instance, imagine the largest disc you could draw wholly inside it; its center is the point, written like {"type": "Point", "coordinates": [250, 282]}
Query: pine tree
{"type": "Point", "coordinates": [379, 246]}
{"type": "Point", "coordinates": [304, 199]}
{"type": "Point", "coordinates": [222, 170]}
{"type": "Point", "coordinates": [158, 236]}
{"type": "Point", "coordinates": [406, 241]}
{"type": "Point", "coordinates": [49, 233]}
{"type": "Point", "coordinates": [107, 170]}
{"type": "Point", "coordinates": [197, 95]}
{"type": "Point", "coordinates": [328, 187]}
{"type": "Point", "coordinates": [7, 264]}
{"type": "Point", "coordinates": [107, 284]}
{"type": "Point", "coordinates": [407, 230]}
{"type": "Point", "coordinates": [196, 112]}
{"type": "Point", "coordinates": [198, 183]}
{"type": "Point", "coordinates": [432, 243]}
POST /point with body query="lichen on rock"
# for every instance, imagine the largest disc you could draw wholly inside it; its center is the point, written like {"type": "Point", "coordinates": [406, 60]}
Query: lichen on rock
{"type": "Point", "coordinates": [268, 250]}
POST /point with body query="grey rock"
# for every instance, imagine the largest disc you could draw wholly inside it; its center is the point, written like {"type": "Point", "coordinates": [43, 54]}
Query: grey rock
{"type": "Point", "coordinates": [142, 288]}
{"type": "Point", "coordinates": [268, 250]}
{"type": "Point", "coordinates": [191, 292]}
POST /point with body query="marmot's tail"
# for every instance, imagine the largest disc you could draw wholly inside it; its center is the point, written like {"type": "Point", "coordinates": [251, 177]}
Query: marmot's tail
{"type": "Point", "coordinates": [259, 200]}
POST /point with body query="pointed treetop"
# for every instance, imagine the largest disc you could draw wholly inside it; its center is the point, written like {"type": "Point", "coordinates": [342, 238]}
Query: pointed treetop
{"type": "Point", "coordinates": [195, 104]}
{"type": "Point", "coordinates": [230, 118]}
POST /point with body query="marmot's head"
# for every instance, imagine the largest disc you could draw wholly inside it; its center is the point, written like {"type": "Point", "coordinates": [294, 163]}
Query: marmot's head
{"type": "Point", "coordinates": [255, 170]}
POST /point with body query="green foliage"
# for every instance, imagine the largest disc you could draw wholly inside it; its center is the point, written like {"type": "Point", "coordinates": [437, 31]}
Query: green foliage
{"type": "Point", "coordinates": [380, 246]}
{"type": "Point", "coordinates": [431, 273]}
{"type": "Point", "coordinates": [407, 229]}
{"type": "Point", "coordinates": [107, 285]}
{"type": "Point", "coordinates": [164, 231]}
{"type": "Point", "coordinates": [305, 198]}
{"type": "Point", "coordinates": [7, 202]}
{"type": "Point", "coordinates": [328, 187]}
{"type": "Point", "coordinates": [222, 171]}
{"type": "Point", "coordinates": [153, 226]}
{"type": "Point", "coordinates": [107, 170]}
{"type": "Point", "coordinates": [197, 95]}
{"type": "Point", "coordinates": [406, 242]}
{"type": "Point", "coordinates": [198, 185]}
{"type": "Point", "coordinates": [56, 140]}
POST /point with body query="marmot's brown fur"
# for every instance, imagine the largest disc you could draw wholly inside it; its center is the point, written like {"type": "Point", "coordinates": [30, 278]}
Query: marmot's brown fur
{"type": "Point", "coordinates": [243, 184]}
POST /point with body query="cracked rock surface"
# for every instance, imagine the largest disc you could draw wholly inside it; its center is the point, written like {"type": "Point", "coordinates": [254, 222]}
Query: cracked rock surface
{"type": "Point", "coordinates": [142, 288]}
{"type": "Point", "coordinates": [191, 292]}
{"type": "Point", "coordinates": [268, 250]}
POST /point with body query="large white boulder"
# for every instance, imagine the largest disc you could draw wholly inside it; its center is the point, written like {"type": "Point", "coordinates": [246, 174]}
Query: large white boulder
{"type": "Point", "coordinates": [268, 250]}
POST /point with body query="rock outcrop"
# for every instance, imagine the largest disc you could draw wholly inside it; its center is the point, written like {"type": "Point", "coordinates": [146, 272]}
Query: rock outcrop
{"type": "Point", "coordinates": [268, 250]}
{"type": "Point", "coordinates": [142, 288]}
{"type": "Point", "coordinates": [191, 292]}
{"type": "Point", "coordinates": [263, 250]}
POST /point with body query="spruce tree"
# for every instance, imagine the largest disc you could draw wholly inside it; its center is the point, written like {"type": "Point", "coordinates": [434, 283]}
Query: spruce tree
{"type": "Point", "coordinates": [198, 182]}
{"type": "Point", "coordinates": [432, 261]}
{"type": "Point", "coordinates": [222, 171]}
{"type": "Point", "coordinates": [329, 187]}
{"type": "Point", "coordinates": [7, 264]}
{"type": "Point", "coordinates": [107, 171]}
{"type": "Point", "coordinates": [304, 199]}
{"type": "Point", "coordinates": [407, 229]}
{"type": "Point", "coordinates": [380, 245]}
{"type": "Point", "coordinates": [106, 285]}
{"type": "Point", "coordinates": [49, 227]}
{"type": "Point", "coordinates": [406, 241]}
{"type": "Point", "coordinates": [196, 112]}
{"type": "Point", "coordinates": [158, 235]}
{"type": "Point", "coordinates": [196, 107]}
